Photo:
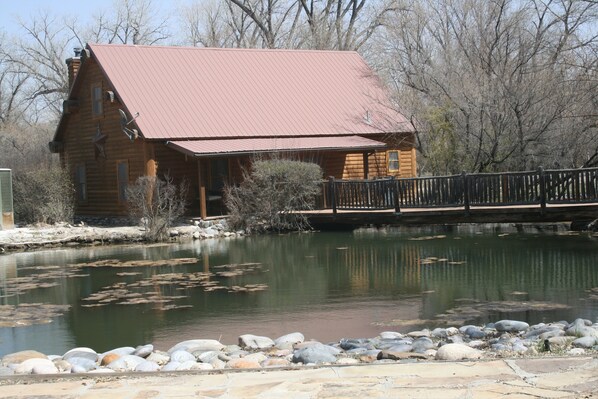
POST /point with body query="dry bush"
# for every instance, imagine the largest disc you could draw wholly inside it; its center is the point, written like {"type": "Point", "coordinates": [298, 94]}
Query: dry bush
{"type": "Point", "coordinates": [43, 195]}
{"type": "Point", "coordinates": [157, 203]}
{"type": "Point", "coordinates": [271, 192]}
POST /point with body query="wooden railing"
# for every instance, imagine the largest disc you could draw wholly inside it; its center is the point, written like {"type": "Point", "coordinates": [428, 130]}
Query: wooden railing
{"type": "Point", "coordinates": [540, 187]}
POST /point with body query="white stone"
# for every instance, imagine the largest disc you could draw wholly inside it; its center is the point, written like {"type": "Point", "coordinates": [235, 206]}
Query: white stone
{"type": "Point", "coordinates": [45, 369]}
{"type": "Point", "coordinates": [202, 366]}
{"type": "Point", "coordinates": [454, 352]}
{"type": "Point", "coordinates": [101, 371]}
{"type": "Point", "coordinates": [186, 365]}
{"type": "Point", "coordinates": [347, 360]}
{"type": "Point", "coordinates": [82, 352]}
{"type": "Point", "coordinates": [28, 365]}
{"type": "Point", "coordinates": [159, 357]}
{"type": "Point", "coordinates": [390, 335]}
{"type": "Point", "coordinates": [181, 356]}
{"type": "Point", "coordinates": [576, 352]}
{"type": "Point", "coordinates": [452, 331]}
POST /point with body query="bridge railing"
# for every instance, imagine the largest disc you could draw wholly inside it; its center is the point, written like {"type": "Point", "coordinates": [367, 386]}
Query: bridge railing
{"type": "Point", "coordinates": [539, 187]}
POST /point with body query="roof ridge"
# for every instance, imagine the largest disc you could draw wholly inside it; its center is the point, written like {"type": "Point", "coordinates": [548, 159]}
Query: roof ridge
{"type": "Point", "coordinates": [231, 49]}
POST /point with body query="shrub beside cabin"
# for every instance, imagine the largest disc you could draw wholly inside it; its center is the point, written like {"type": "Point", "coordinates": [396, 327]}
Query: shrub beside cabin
{"type": "Point", "coordinates": [201, 114]}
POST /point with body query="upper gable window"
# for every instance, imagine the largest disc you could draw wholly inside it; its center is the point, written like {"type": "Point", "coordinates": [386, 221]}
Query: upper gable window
{"type": "Point", "coordinates": [97, 105]}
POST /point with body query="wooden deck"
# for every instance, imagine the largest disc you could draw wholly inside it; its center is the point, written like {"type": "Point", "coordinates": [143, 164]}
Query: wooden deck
{"type": "Point", "coordinates": [425, 216]}
{"type": "Point", "coordinates": [514, 197]}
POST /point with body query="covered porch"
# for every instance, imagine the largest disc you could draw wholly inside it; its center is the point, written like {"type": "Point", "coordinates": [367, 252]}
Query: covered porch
{"type": "Point", "coordinates": [221, 162]}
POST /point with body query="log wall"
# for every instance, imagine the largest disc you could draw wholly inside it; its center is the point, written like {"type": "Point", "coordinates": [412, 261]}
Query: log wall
{"type": "Point", "coordinates": [79, 149]}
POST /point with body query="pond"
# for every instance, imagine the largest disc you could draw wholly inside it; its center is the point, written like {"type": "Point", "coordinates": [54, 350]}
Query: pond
{"type": "Point", "coordinates": [325, 285]}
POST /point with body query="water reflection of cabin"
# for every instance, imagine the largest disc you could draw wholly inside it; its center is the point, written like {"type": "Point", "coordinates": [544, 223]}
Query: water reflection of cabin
{"type": "Point", "coordinates": [202, 114]}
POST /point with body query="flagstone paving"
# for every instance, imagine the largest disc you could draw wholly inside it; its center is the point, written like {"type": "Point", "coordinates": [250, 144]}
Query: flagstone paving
{"type": "Point", "coordinates": [514, 378]}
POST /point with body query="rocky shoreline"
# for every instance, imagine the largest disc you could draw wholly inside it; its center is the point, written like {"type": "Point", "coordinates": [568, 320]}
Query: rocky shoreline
{"type": "Point", "coordinates": [503, 339]}
{"type": "Point", "coordinates": [106, 232]}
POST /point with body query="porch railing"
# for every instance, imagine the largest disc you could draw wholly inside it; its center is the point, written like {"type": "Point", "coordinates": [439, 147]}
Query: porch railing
{"type": "Point", "coordinates": [541, 187]}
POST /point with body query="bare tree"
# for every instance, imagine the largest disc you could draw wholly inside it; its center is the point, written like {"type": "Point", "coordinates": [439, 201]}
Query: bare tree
{"type": "Point", "coordinates": [128, 22]}
{"type": "Point", "coordinates": [495, 85]}
{"type": "Point", "coordinates": [158, 203]}
{"type": "Point", "coordinates": [344, 25]}
{"type": "Point", "coordinates": [35, 62]}
{"type": "Point", "coordinates": [324, 24]}
{"type": "Point", "coordinates": [13, 80]}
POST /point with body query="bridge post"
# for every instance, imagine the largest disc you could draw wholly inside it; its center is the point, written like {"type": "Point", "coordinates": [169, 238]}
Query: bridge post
{"type": "Point", "coordinates": [465, 192]}
{"type": "Point", "coordinates": [395, 193]}
{"type": "Point", "coordinates": [332, 194]}
{"type": "Point", "coordinates": [542, 190]}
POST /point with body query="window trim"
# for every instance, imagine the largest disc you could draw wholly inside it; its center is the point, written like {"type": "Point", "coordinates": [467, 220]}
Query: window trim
{"type": "Point", "coordinates": [388, 161]}
{"type": "Point", "coordinates": [99, 101]}
{"type": "Point", "coordinates": [122, 198]}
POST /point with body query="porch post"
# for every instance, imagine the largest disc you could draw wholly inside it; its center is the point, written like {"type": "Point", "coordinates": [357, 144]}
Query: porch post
{"type": "Point", "coordinates": [203, 212]}
{"type": "Point", "coordinates": [366, 165]}
{"type": "Point", "coordinates": [150, 168]}
{"type": "Point", "coordinates": [150, 160]}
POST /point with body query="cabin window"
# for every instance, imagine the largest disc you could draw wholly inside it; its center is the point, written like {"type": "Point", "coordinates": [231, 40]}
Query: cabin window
{"type": "Point", "coordinates": [80, 183]}
{"type": "Point", "coordinates": [122, 179]}
{"type": "Point", "coordinates": [97, 104]}
{"type": "Point", "coordinates": [393, 161]}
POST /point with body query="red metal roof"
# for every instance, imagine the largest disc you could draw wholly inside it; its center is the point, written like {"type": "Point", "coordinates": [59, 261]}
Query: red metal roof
{"type": "Point", "coordinates": [251, 146]}
{"type": "Point", "coordinates": [193, 93]}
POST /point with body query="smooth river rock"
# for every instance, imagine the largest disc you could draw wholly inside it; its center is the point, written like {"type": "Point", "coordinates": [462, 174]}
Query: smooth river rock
{"type": "Point", "coordinates": [510, 326]}
{"type": "Point", "coordinates": [454, 352]}
{"type": "Point", "coordinates": [313, 354]}
{"type": "Point", "coordinates": [109, 358]}
{"type": "Point", "coordinates": [242, 363]}
{"type": "Point", "coordinates": [288, 340]}
{"type": "Point", "coordinates": [20, 357]}
{"type": "Point", "coordinates": [584, 342]}
{"type": "Point", "coordinates": [81, 364]}
{"type": "Point", "coordinates": [144, 350]}
{"type": "Point", "coordinates": [182, 356]}
{"type": "Point", "coordinates": [255, 342]}
{"type": "Point", "coordinates": [171, 366]}
{"type": "Point", "coordinates": [194, 345]}
{"type": "Point", "coordinates": [147, 367]}
{"type": "Point", "coordinates": [126, 363]}
{"type": "Point", "coordinates": [122, 351]}
{"type": "Point", "coordinates": [421, 345]}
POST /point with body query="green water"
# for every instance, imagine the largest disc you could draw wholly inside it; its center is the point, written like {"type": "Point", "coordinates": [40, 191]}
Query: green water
{"type": "Point", "coordinates": [326, 285]}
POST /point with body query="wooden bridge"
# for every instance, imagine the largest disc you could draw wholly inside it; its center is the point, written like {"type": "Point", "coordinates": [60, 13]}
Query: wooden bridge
{"type": "Point", "coordinates": [517, 197]}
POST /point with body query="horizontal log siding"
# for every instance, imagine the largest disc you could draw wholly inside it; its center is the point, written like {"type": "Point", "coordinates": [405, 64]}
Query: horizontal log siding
{"type": "Point", "coordinates": [102, 190]}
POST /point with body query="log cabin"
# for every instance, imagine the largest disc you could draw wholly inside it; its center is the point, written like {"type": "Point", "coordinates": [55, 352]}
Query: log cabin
{"type": "Point", "coordinates": [202, 114]}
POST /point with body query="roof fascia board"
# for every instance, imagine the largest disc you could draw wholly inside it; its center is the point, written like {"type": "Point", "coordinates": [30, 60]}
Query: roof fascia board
{"type": "Point", "coordinates": [174, 146]}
